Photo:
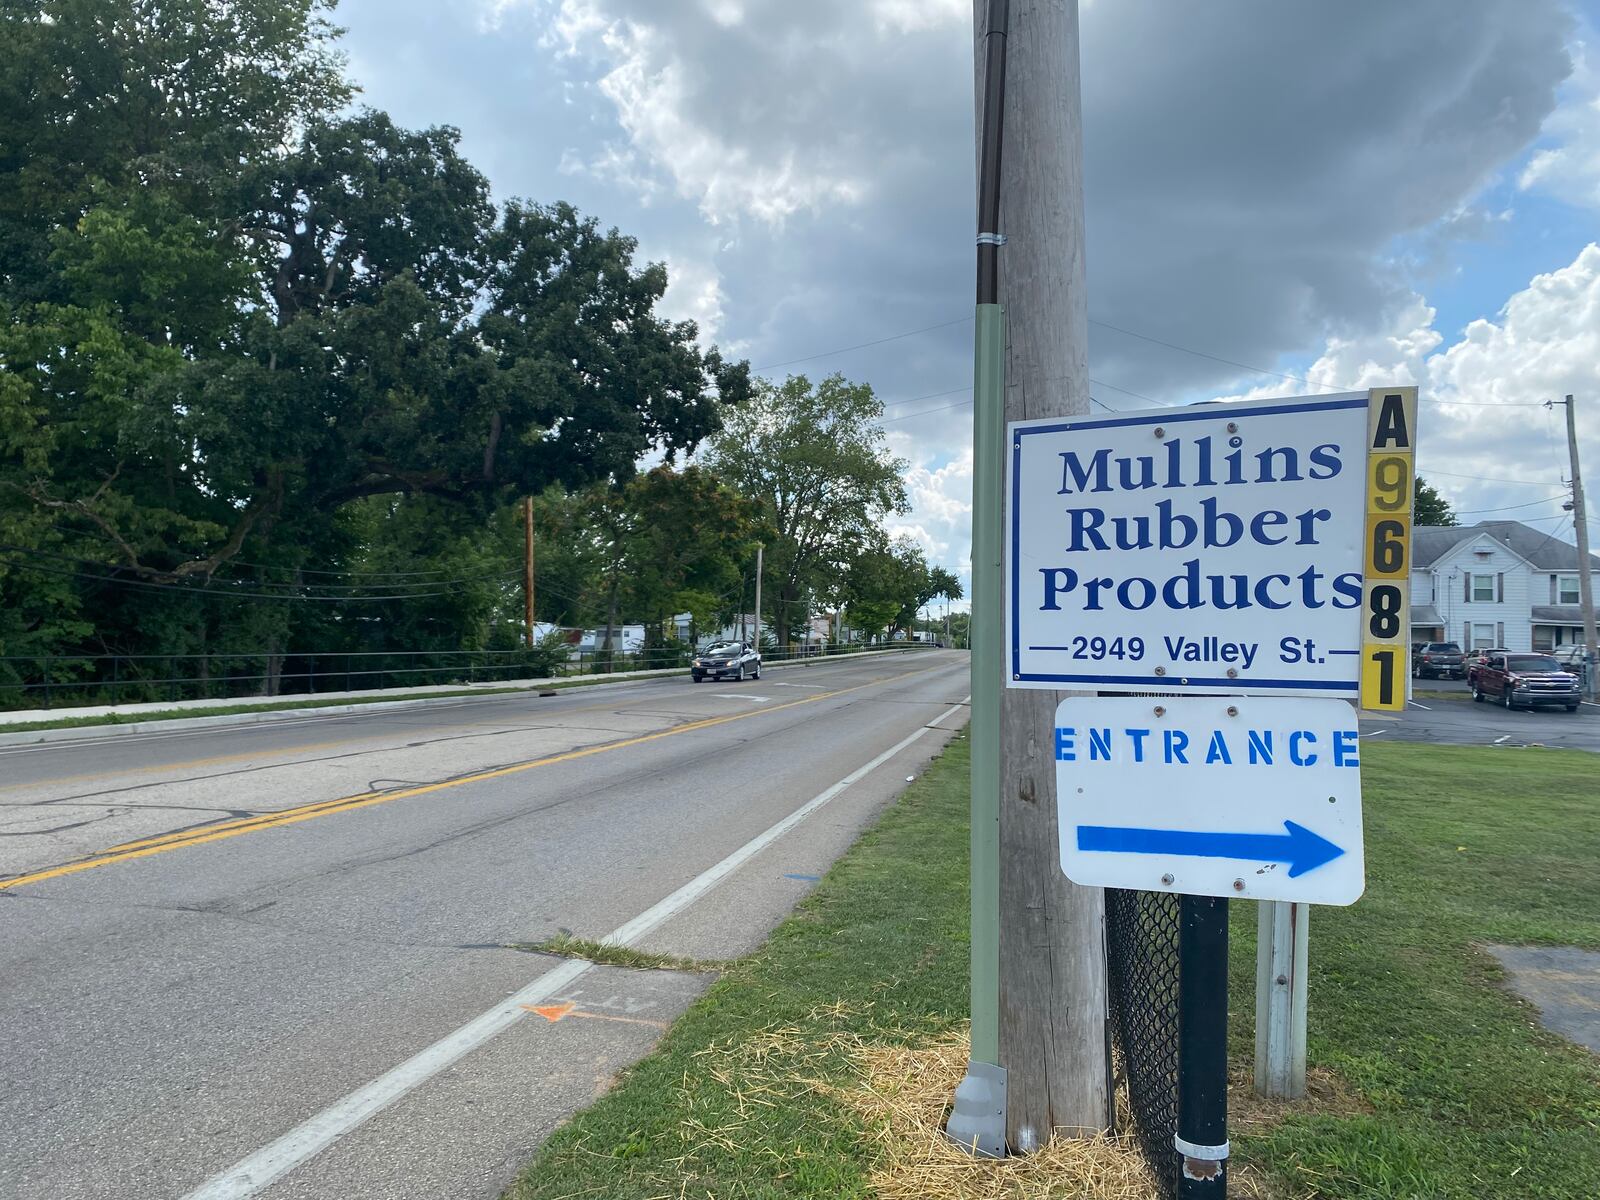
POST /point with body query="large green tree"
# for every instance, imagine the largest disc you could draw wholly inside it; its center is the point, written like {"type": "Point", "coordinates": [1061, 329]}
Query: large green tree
{"type": "Point", "coordinates": [235, 315]}
{"type": "Point", "coordinates": [816, 457]}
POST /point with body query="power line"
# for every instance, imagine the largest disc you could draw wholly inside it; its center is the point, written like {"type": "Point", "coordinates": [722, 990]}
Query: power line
{"type": "Point", "coordinates": [893, 337]}
{"type": "Point", "coordinates": [212, 593]}
{"type": "Point", "coordinates": [1487, 478]}
{"type": "Point", "coordinates": [1467, 512]}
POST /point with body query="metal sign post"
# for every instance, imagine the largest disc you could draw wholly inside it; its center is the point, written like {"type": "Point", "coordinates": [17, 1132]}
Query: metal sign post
{"type": "Point", "coordinates": [1202, 1137]}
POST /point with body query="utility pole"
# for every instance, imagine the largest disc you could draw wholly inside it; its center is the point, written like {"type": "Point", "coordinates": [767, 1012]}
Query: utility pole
{"type": "Point", "coordinates": [527, 568]}
{"type": "Point", "coordinates": [759, 549]}
{"type": "Point", "coordinates": [1580, 519]}
{"type": "Point", "coordinates": [1046, 1027]}
{"type": "Point", "coordinates": [1052, 932]}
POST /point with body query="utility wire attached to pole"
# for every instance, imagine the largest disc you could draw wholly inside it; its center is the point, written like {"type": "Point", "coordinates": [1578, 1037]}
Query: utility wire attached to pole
{"type": "Point", "coordinates": [1591, 643]}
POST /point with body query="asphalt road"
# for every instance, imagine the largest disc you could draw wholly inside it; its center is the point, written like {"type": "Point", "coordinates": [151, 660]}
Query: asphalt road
{"type": "Point", "coordinates": [1443, 715]}
{"type": "Point", "coordinates": [273, 960]}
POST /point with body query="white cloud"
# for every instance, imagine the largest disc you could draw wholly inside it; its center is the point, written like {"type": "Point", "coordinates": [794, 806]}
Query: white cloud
{"type": "Point", "coordinates": [916, 16]}
{"type": "Point", "coordinates": [1570, 169]}
{"type": "Point", "coordinates": [1483, 433]}
{"type": "Point", "coordinates": [660, 95]}
{"type": "Point", "coordinates": [694, 293]}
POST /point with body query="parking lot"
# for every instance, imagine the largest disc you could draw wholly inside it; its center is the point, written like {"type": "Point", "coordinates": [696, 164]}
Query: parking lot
{"type": "Point", "coordinates": [1443, 711]}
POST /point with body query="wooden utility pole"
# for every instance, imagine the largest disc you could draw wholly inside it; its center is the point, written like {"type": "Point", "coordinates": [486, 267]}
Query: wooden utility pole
{"type": "Point", "coordinates": [1052, 932]}
{"type": "Point", "coordinates": [1580, 518]}
{"type": "Point", "coordinates": [760, 550]}
{"type": "Point", "coordinates": [527, 568]}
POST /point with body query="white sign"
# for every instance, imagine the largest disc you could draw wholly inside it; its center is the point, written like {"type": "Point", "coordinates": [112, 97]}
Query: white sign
{"type": "Point", "coordinates": [1214, 548]}
{"type": "Point", "coordinates": [1211, 796]}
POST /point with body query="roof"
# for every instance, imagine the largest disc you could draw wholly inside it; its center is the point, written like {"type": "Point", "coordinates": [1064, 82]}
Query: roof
{"type": "Point", "coordinates": [1558, 614]}
{"type": "Point", "coordinates": [1425, 615]}
{"type": "Point", "coordinates": [1545, 551]}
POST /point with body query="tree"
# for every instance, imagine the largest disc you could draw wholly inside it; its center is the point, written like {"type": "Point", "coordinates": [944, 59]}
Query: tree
{"type": "Point", "coordinates": [243, 329]}
{"type": "Point", "coordinates": [689, 536]}
{"type": "Point", "coordinates": [1429, 507]}
{"type": "Point", "coordinates": [817, 460]}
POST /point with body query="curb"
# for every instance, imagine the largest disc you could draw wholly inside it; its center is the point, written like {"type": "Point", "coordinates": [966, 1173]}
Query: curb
{"type": "Point", "coordinates": [78, 733]}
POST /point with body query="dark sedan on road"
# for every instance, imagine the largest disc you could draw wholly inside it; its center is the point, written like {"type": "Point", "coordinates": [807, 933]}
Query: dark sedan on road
{"type": "Point", "coordinates": [726, 660]}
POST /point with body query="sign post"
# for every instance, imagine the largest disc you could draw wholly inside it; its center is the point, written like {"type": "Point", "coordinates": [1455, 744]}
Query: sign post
{"type": "Point", "coordinates": [1249, 562]}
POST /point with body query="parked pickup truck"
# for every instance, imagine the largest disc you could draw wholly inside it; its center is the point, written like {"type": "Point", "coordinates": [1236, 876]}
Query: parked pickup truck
{"type": "Point", "coordinates": [1437, 659]}
{"type": "Point", "coordinates": [1526, 680]}
{"type": "Point", "coordinates": [1476, 659]}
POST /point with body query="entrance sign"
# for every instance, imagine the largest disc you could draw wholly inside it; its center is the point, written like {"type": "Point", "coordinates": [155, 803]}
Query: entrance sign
{"type": "Point", "coordinates": [1219, 548]}
{"type": "Point", "coordinates": [1211, 796]}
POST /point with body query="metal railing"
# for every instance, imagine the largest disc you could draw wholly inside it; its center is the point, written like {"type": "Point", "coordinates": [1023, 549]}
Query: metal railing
{"type": "Point", "coordinates": [62, 680]}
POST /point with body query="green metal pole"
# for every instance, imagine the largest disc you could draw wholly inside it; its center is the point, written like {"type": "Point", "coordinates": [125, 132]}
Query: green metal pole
{"type": "Point", "coordinates": [988, 441]}
{"type": "Point", "coordinates": [978, 1115]}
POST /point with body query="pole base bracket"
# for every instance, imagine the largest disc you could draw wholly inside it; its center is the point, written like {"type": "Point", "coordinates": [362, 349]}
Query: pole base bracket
{"type": "Point", "coordinates": [978, 1117]}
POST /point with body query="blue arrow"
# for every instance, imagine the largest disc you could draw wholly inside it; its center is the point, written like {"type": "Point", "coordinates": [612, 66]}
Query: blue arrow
{"type": "Point", "coordinates": [1299, 847]}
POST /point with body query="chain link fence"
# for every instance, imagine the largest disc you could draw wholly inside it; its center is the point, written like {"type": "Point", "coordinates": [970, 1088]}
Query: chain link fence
{"type": "Point", "coordinates": [1142, 964]}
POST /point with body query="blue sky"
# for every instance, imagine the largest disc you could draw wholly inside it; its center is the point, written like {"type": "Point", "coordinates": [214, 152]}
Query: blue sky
{"type": "Point", "coordinates": [1336, 191]}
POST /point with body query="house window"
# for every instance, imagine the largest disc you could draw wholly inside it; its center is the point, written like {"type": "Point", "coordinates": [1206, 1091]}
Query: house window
{"type": "Point", "coordinates": [1567, 589]}
{"type": "Point", "coordinates": [1482, 588]}
{"type": "Point", "coordinates": [1544, 637]}
{"type": "Point", "coordinates": [1482, 636]}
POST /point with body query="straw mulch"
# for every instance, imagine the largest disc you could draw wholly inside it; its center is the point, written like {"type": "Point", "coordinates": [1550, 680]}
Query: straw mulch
{"type": "Point", "coordinates": [900, 1088]}
{"type": "Point", "coordinates": [905, 1094]}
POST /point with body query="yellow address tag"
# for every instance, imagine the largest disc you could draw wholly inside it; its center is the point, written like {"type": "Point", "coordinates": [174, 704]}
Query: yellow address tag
{"type": "Point", "coordinates": [1383, 677]}
{"type": "Point", "coordinates": [1386, 613]}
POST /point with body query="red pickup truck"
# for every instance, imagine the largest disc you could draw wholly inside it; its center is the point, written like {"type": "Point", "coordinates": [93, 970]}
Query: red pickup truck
{"type": "Point", "coordinates": [1525, 680]}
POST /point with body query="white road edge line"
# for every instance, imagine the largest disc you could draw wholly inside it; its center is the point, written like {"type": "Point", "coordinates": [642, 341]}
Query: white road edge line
{"type": "Point", "coordinates": [316, 1134]}
{"type": "Point", "coordinates": [742, 696]}
{"type": "Point", "coordinates": [1498, 740]}
{"type": "Point", "coordinates": [1423, 707]}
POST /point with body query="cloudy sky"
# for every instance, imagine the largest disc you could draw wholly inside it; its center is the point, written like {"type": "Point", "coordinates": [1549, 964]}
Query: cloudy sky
{"type": "Point", "coordinates": [1281, 199]}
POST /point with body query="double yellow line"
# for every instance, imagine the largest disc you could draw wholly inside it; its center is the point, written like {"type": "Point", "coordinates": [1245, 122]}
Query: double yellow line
{"type": "Point", "coordinates": [290, 816]}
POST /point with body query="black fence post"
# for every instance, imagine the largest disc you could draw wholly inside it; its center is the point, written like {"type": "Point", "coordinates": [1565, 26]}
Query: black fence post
{"type": "Point", "coordinates": [46, 674]}
{"type": "Point", "coordinates": [1202, 1140]}
{"type": "Point", "coordinates": [115, 676]}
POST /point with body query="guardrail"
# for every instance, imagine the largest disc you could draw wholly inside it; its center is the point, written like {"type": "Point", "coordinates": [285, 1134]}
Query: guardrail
{"type": "Point", "coordinates": [48, 681]}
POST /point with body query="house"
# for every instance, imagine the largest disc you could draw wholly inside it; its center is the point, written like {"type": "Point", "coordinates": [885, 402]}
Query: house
{"type": "Point", "coordinates": [1496, 583]}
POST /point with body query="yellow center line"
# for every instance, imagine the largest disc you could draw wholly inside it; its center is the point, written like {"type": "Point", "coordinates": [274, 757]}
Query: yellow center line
{"type": "Point", "coordinates": [216, 833]}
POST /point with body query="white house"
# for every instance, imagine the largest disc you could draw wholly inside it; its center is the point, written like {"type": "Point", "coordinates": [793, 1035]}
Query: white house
{"type": "Point", "coordinates": [1496, 583]}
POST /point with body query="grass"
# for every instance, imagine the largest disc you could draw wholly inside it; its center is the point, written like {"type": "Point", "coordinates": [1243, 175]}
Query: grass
{"type": "Point", "coordinates": [781, 1080]}
{"type": "Point", "coordinates": [567, 946]}
{"type": "Point", "coordinates": [1469, 1096]}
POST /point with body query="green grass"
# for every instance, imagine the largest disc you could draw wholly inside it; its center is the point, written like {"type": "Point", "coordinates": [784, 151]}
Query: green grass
{"type": "Point", "coordinates": [568, 946]}
{"type": "Point", "coordinates": [1469, 1096]}
{"type": "Point", "coordinates": [1466, 1095]}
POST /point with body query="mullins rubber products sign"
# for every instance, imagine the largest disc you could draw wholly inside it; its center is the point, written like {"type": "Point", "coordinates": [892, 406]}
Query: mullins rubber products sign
{"type": "Point", "coordinates": [1219, 548]}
